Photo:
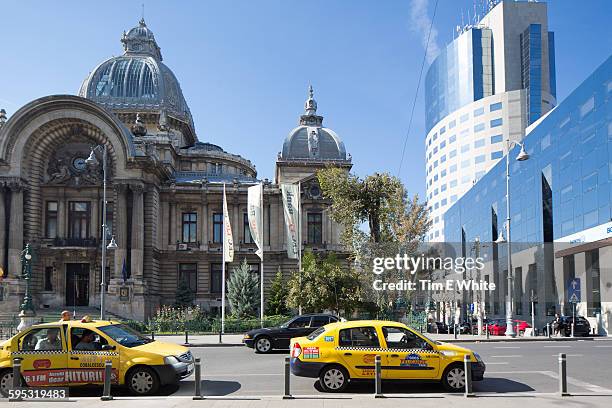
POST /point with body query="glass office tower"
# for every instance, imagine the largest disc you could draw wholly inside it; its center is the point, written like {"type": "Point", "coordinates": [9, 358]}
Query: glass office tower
{"type": "Point", "coordinates": [488, 85]}
{"type": "Point", "coordinates": [561, 217]}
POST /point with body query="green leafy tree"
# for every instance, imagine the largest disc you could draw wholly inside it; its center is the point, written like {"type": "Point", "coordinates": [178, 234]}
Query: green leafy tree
{"type": "Point", "coordinates": [396, 223]}
{"type": "Point", "coordinates": [277, 297]}
{"type": "Point", "coordinates": [324, 285]}
{"type": "Point", "coordinates": [243, 292]}
{"type": "Point", "coordinates": [184, 294]}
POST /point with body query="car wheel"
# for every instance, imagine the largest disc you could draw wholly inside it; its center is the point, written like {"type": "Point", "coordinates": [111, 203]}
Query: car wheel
{"type": "Point", "coordinates": [6, 382]}
{"type": "Point", "coordinates": [453, 378]}
{"type": "Point", "coordinates": [263, 344]}
{"type": "Point", "coordinates": [334, 378]}
{"type": "Point", "coordinates": [143, 381]}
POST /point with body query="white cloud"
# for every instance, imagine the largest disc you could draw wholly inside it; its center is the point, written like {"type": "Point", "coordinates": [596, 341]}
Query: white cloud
{"type": "Point", "coordinates": [420, 23]}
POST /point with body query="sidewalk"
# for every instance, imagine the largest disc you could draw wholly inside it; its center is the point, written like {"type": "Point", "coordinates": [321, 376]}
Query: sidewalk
{"type": "Point", "coordinates": [343, 401]}
{"type": "Point", "coordinates": [235, 340]}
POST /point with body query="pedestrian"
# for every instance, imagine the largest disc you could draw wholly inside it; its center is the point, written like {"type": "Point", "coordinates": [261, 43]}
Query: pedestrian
{"type": "Point", "coordinates": [65, 316]}
{"type": "Point", "coordinates": [556, 324]}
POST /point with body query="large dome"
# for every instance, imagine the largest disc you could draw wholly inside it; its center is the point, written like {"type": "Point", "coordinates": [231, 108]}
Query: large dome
{"type": "Point", "coordinates": [137, 80]}
{"type": "Point", "coordinates": [312, 141]}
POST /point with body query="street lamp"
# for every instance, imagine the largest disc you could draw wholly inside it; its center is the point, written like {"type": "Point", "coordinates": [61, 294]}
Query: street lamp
{"type": "Point", "coordinates": [26, 309]}
{"type": "Point", "coordinates": [522, 156]}
{"type": "Point", "coordinates": [92, 160]}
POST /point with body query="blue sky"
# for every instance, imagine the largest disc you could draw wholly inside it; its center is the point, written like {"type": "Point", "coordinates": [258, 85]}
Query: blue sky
{"type": "Point", "coordinates": [244, 66]}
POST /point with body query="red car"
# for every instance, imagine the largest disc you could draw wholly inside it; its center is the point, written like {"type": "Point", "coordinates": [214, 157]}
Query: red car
{"type": "Point", "coordinates": [498, 327]}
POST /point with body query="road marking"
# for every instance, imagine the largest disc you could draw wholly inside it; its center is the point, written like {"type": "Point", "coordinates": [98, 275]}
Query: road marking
{"type": "Point", "coordinates": [513, 356]}
{"type": "Point", "coordinates": [603, 346]}
{"type": "Point", "coordinates": [569, 355]}
{"type": "Point", "coordinates": [579, 383]}
{"type": "Point", "coordinates": [507, 347]}
{"type": "Point", "coordinates": [496, 363]}
{"type": "Point", "coordinates": [556, 346]}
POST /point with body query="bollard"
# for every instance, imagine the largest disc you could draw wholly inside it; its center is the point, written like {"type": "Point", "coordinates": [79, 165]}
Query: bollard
{"type": "Point", "coordinates": [220, 339]}
{"type": "Point", "coordinates": [548, 330]}
{"type": "Point", "coordinates": [563, 375]}
{"type": "Point", "coordinates": [468, 376]}
{"type": "Point", "coordinates": [17, 376]}
{"type": "Point", "coordinates": [518, 331]}
{"type": "Point", "coordinates": [573, 328]}
{"type": "Point", "coordinates": [287, 379]}
{"type": "Point", "coordinates": [152, 334]}
{"type": "Point", "coordinates": [186, 338]}
{"type": "Point", "coordinates": [487, 329]}
{"type": "Point", "coordinates": [108, 372]}
{"type": "Point", "coordinates": [198, 380]}
{"type": "Point", "coordinates": [378, 377]}
{"type": "Point", "coordinates": [455, 331]}
{"type": "Point", "coordinates": [437, 329]}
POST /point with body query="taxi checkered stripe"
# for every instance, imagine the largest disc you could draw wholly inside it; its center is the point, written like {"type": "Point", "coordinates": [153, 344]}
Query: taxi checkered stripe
{"type": "Point", "coordinates": [37, 352]}
{"type": "Point", "coordinates": [387, 350]}
{"type": "Point", "coordinates": [96, 353]}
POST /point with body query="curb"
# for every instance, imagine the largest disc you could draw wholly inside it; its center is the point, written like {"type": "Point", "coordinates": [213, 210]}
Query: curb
{"type": "Point", "coordinates": [519, 340]}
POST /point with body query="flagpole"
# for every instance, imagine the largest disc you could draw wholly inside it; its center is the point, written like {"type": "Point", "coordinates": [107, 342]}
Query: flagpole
{"type": "Point", "coordinates": [223, 268]}
{"type": "Point", "coordinates": [299, 200]}
{"type": "Point", "coordinates": [261, 267]}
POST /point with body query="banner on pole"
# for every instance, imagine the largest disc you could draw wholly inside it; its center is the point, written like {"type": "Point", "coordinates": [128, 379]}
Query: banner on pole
{"type": "Point", "coordinates": [291, 195]}
{"type": "Point", "coordinates": [255, 199]}
{"type": "Point", "coordinates": [228, 240]}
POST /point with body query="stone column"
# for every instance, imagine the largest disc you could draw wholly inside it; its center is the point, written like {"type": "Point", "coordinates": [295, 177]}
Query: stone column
{"type": "Point", "coordinates": [2, 228]}
{"type": "Point", "coordinates": [120, 226]}
{"type": "Point", "coordinates": [137, 253]}
{"type": "Point", "coordinates": [62, 218]}
{"type": "Point", "coordinates": [204, 225]}
{"type": "Point", "coordinates": [172, 224]}
{"type": "Point", "coordinates": [15, 229]}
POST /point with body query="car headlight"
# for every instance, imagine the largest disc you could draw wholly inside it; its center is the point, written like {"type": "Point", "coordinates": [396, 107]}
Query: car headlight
{"type": "Point", "coordinates": [448, 353]}
{"type": "Point", "coordinates": [247, 336]}
{"type": "Point", "coordinates": [171, 360]}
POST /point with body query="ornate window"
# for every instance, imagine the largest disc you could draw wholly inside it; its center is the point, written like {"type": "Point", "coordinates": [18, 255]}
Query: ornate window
{"type": "Point", "coordinates": [248, 239]}
{"type": "Point", "coordinates": [188, 272]}
{"type": "Point", "coordinates": [217, 228]}
{"type": "Point", "coordinates": [190, 227]}
{"type": "Point", "coordinates": [315, 228]}
{"type": "Point", "coordinates": [51, 219]}
{"type": "Point", "coordinates": [79, 217]}
{"type": "Point", "coordinates": [215, 278]}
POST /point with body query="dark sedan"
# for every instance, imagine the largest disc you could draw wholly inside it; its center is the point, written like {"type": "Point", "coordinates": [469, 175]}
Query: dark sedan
{"type": "Point", "coordinates": [269, 338]}
{"type": "Point", "coordinates": [582, 328]}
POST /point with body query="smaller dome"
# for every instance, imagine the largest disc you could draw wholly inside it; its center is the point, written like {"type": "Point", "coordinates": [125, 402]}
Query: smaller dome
{"type": "Point", "coordinates": [140, 40]}
{"type": "Point", "coordinates": [312, 141]}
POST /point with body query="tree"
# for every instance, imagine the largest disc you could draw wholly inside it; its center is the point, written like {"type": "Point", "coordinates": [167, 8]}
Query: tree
{"type": "Point", "coordinates": [324, 285]}
{"type": "Point", "coordinates": [396, 224]}
{"type": "Point", "coordinates": [277, 298]}
{"type": "Point", "coordinates": [184, 295]}
{"type": "Point", "coordinates": [243, 292]}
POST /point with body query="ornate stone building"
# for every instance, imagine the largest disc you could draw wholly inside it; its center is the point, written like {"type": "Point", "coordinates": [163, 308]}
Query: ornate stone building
{"type": "Point", "coordinates": [164, 191]}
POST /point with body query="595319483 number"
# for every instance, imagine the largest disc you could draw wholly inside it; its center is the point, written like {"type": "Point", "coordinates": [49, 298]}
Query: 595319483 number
{"type": "Point", "coordinates": [37, 394]}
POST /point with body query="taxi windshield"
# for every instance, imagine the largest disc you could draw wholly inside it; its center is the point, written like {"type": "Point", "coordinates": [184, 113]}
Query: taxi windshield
{"type": "Point", "coordinates": [125, 335]}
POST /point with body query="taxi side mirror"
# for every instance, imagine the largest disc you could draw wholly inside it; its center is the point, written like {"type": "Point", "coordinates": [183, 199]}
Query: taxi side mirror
{"type": "Point", "coordinates": [428, 347]}
{"type": "Point", "coordinates": [108, 347]}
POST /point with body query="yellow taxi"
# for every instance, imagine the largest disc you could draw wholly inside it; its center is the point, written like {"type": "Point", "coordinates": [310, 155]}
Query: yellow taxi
{"type": "Point", "coordinates": [338, 353]}
{"type": "Point", "coordinates": [73, 353]}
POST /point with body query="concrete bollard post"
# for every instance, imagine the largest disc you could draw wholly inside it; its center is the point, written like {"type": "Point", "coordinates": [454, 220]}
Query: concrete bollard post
{"type": "Point", "coordinates": [437, 329]}
{"type": "Point", "coordinates": [198, 380]}
{"type": "Point", "coordinates": [468, 376]}
{"type": "Point", "coordinates": [186, 338]}
{"type": "Point", "coordinates": [108, 372]}
{"type": "Point", "coordinates": [152, 334]}
{"type": "Point", "coordinates": [563, 375]}
{"type": "Point", "coordinates": [455, 331]}
{"type": "Point", "coordinates": [220, 337]}
{"type": "Point", "coordinates": [378, 377]}
{"type": "Point", "coordinates": [287, 394]}
{"type": "Point", "coordinates": [487, 330]}
{"type": "Point", "coordinates": [548, 330]}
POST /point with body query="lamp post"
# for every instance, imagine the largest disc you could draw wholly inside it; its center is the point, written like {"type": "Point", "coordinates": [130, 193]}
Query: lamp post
{"type": "Point", "coordinates": [26, 309]}
{"type": "Point", "coordinates": [93, 161]}
{"type": "Point", "coordinates": [522, 156]}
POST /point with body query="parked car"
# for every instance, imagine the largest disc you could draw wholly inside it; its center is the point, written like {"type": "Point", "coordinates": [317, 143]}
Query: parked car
{"type": "Point", "coordinates": [342, 352]}
{"type": "Point", "coordinates": [582, 328]}
{"type": "Point", "coordinates": [437, 327]}
{"type": "Point", "coordinates": [269, 338]}
{"type": "Point", "coordinates": [497, 327]}
{"type": "Point", "coordinates": [467, 327]}
{"type": "Point", "coordinates": [72, 353]}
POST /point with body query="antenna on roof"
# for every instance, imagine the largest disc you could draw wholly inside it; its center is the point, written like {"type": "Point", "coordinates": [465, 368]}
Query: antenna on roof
{"type": "Point", "coordinates": [142, 14]}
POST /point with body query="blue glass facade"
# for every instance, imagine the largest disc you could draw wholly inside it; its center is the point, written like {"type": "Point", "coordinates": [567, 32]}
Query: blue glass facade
{"type": "Point", "coordinates": [531, 69]}
{"type": "Point", "coordinates": [567, 177]}
{"type": "Point", "coordinates": [551, 64]}
{"type": "Point", "coordinates": [459, 75]}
